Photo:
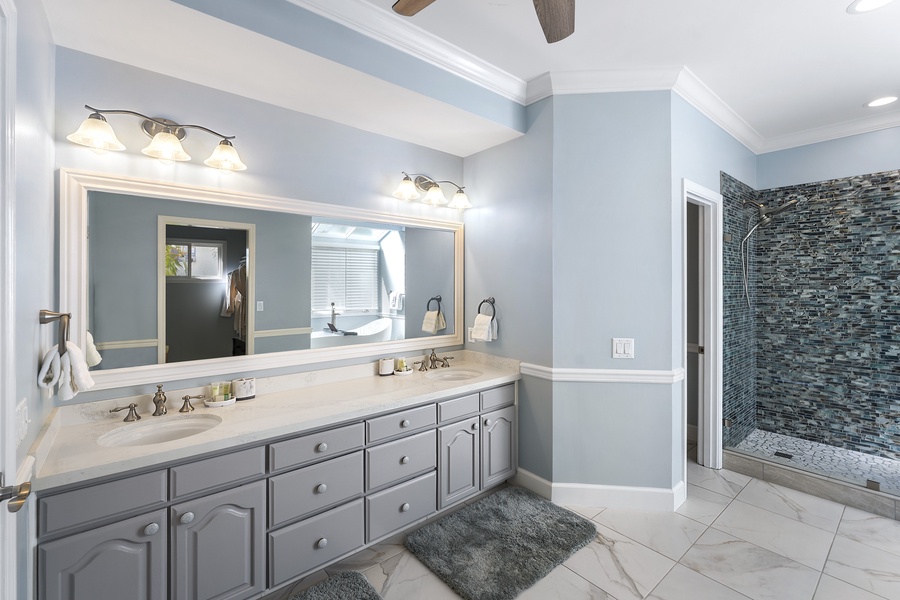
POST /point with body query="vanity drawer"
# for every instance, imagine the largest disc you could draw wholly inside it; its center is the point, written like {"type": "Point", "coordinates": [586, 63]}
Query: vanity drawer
{"type": "Point", "coordinates": [302, 547]}
{"type": "Point", "coordinates": [216, 472]}
{"type": "Point", "coordinates": [497, 397]}
{"type": "Point", "coordinates": [398, 423]}
{"type": "Point", "coordinates": [100, 502]}
{"type": "Point", "coordinates": [397, 507]}
{"type": "Point", "coordinates": [458, 408]}
{"type": "Point", "coordinates": [398, 460]}
{"type": "Point", "coordinates": [316, 446]}
{"type": "Point", "coordinates": [308, 490]}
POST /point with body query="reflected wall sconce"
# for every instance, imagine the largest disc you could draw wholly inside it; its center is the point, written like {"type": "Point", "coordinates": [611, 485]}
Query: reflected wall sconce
{"type": "Point", "coordinates": [98, 135]}
{"type": "Point", "coordinates": [413, 186]}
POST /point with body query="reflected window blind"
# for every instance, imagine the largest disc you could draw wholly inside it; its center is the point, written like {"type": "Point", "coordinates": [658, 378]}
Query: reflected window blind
{"type": "Point", "coordinates": [346, 276]}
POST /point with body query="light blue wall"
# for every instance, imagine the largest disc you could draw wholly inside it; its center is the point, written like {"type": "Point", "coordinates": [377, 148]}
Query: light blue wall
{"type": "Point", "coordinates": [429, 273]}
{"type": "Point", "coordinates": [35, 208]}
{"type": "Point", "coordinates": [855, 155]}
{"type": "Point", "coordinates": [297, 27]}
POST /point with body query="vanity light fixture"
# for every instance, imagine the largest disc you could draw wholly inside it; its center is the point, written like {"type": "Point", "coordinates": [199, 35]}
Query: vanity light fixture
{"type": "Point", "coordinates": [98, 135]}
{"type": "Point", "coordinates": [858, 7]}
{"type": "Point", "coordinates": [413, 186]}
{"type": "Point", "coordinates": [881, 101]}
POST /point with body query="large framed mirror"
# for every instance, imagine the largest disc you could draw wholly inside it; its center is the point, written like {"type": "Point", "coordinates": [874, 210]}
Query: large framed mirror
{"type": "Point", "coordinates": [176, 281]}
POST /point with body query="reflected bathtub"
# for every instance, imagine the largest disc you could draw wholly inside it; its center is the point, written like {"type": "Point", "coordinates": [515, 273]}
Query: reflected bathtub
{"type": "Point", "coordinates": [378, 330]}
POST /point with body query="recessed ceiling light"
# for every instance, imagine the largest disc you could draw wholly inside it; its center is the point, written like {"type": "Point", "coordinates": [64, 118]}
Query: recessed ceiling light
{"type": "Point", "coordinates": [882, 101]}
{"type": "Point", "coordinates": [862, 6]}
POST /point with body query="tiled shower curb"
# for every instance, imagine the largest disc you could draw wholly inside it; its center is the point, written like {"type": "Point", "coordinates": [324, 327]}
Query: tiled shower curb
{"type": "Point", "coordinates": [878, 503]}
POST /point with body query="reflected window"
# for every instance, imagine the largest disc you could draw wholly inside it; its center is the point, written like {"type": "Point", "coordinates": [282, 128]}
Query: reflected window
{"type": "Point", "coordinates": [346, 276]}
{"type": "Point", "coordinates": [194, 259]}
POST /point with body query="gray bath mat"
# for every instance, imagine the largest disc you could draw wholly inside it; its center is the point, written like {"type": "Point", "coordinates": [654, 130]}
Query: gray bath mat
{"type": "Point", "coordinates": [501, 545]}
{"type": "Point", "coordinates": [349, 585]}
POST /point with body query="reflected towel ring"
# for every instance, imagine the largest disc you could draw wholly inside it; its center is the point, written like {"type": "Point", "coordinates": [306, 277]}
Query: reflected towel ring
{"type": "Point", "coordinates": [434, 299]}
{"type": "Point", "coordinates": [493, 308]}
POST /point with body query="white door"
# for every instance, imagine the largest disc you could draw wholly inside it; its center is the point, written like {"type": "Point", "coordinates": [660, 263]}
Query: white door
{"type": "Point", "coordinates": [7, 294]}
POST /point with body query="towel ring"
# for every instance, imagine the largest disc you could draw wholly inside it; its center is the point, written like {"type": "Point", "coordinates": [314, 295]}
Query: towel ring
{"type": "Point", "coordinates": [434, 299]}
{"type": "Point", "coordinates": [493, 308]}
{"type": "Point", "coordinates": [48, 316]}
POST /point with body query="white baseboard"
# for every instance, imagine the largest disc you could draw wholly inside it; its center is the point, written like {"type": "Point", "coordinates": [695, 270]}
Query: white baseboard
{"type": "Point", "coordinates": [606, 496]}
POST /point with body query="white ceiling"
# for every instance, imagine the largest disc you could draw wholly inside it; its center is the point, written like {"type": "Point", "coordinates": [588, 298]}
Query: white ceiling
{"type": "Point", "coordinates": [777, 74]}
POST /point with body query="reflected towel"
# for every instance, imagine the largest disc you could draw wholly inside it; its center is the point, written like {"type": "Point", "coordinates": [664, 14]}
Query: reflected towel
{"type": "Point", "coordinates": [91, 356]}
{"type": "Point", "coordinates": [49, 373]}
{"type": "Point", "coordinates": [433, 322]}
{"type": "Point", "coordinates": [483, 329]}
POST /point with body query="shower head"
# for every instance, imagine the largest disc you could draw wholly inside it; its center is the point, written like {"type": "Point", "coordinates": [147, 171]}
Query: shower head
{"type": "Point", "coordinates": [764, 220]}
{"type": "Point", "coordinates": [764, 211]}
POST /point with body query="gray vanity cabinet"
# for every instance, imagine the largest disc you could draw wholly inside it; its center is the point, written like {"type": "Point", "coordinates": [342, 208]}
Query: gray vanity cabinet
{"type": "Point", "coordinates": [498, 446]}
{"type": "Point", "coordinates": [459, 460]}
{"type": "Point", "coordinates": [122, 561]}
{"type": "Point", "coordinates": [218, 548]}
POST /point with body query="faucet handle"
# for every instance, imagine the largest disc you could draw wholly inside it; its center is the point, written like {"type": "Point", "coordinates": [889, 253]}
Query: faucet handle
{"type": "Point", "coordinates": [445, 361]}
{"type": "Point", "coordinates": [424, 364]}
{"type": "Point", "coordinates": [187, 406]}
{"type": "Point", "coordinates": [132, 412]}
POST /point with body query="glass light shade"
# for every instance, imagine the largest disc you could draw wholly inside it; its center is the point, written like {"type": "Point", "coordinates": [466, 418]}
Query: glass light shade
{"type": "Point", "coordinates": [434, 196]}
{"type": "Point", "coordinates": [166, 147]}
{"type": "Point", "coordinates": [882, 101]}
{"type": "Point", "coordinates": [225, 158]}
{"type": "Point", "coordinates": [96, 134]}
{"type": "Point", "coordinates": [864, 6]}
{"type": "Point", "coordinates": [460, 201]}
{"type": "Point", "coordinates": [406, 190]}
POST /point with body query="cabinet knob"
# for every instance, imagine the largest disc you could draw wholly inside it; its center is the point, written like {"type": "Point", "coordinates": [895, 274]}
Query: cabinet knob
{"type": "Point", "coordinates": [404, 460]}
{"type": "Point", "coordinates": [404, 423]}
{"type": "Point", "coordinates": [475, 426]}
{"type": "Point", "coordinates": [186, 518]}
{"type": "Point", "coordinates": [322, 447]}
{"type": "Point", "coordinates": [320, 489]}
{"type": "Point", "coordinates": [151, 528]}
{"type": "Point", "coordinates": [404, 507]}
{"type": "Point", "coordinates": [487, 422]}
{"type": "Point", "coordinates": [322, 543]}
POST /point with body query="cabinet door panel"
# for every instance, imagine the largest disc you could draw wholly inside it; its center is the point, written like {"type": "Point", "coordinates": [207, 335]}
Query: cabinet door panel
{"type": "Point", "coordinates": [498, 446]}
{"type": "Point", "coordinates": [459, 464]}
{"type": "Point", "coordinates": [218, 545]}
{"type": "Point", "coordinates": [122, 561]}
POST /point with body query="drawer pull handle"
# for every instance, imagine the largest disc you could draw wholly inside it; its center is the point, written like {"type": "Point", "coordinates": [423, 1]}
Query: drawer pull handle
{"type": "Point", "coordinates": [404, 423]}
{"type": "Point", "coordinates": [151, 528]}
{"type": "Point", "coordinates": [404, 507]}
{"type": "Point", "coordinates": [320, 489]}
{"type": "Point", "coordinates": [322, 447]}
{"type": "Point", "coordinates": [474, 426]}
{"type": "Point", "coordinates": [186, 518]}
{"type": "Point", "coordinates": [322, 543]}
{"type": "Point", "coordinates": [404, 460]}
{"type": "Point", "coordinates": [487, 422]}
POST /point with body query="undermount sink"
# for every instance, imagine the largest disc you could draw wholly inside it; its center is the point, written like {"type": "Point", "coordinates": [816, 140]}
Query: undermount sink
{"type": "Point", "coordinates": [165, 429]}
{"type": "Point", "coordinates": [453, 374]}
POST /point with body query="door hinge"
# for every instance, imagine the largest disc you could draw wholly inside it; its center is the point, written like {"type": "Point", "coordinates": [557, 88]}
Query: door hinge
{"type": "Point", "coordinates": [700, 350]}
{"type": "Point", "coordinates": [16, 494]}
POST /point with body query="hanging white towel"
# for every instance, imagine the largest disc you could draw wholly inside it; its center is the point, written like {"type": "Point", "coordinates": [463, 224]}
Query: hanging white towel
{"type": "Point", "coordinates": [91, 356]}
{"type": "Point", "coordinates": [49, 373]}
{"type": "Point", "coordinates": [433, 322]}
{"type": "Point", "coordinates": [483, 329]}
{"type": "Point", "coordinates": [81, 377]}
{"type": "Point", "coordinates": [65, 391]}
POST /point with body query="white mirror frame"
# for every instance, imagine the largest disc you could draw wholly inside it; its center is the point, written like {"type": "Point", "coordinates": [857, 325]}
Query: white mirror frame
{"type": "Point", "coordinates": [74, 187]}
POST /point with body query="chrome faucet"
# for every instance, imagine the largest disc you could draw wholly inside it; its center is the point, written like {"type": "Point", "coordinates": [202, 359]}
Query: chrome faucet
{"type": "Point", "coordinates": [159, 399]}
{"type": "Point", "coordinates": [334, 313]}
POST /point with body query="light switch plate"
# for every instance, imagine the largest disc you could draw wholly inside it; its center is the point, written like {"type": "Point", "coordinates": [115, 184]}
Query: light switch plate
{"type": "Point", "coordinates": [623, 347]}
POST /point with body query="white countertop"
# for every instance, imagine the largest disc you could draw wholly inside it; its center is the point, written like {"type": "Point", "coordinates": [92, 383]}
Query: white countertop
{"type": "Point", "coordinates": [69, 453]}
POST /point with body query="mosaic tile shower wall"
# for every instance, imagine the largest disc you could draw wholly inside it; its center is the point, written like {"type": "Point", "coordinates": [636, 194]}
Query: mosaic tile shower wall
{"type": "Point", "coordinates": [828, 314]}
{"type": "Point", "coordinates": [739, 345]}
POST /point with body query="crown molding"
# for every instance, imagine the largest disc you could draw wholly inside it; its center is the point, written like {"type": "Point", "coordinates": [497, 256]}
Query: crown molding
{"type": "Point", "coordinates": [400, 34]}
{"type": "Point", "coordinates": [830, 132]}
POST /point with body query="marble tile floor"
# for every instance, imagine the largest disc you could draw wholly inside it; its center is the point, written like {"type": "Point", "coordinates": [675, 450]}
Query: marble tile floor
{"type": "Point", "coordinates": [735, 538]}
{"type": "Point", "coordinates": [837, 463]}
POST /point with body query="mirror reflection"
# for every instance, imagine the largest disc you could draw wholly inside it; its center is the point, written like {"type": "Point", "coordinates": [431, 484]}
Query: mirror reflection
{"type": "Point", "coordinates": [172, 280]}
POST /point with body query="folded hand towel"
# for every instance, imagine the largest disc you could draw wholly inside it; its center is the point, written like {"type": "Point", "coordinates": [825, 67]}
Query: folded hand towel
{"type": "Point", "coordinates": [81, 377]}
{"type": "Point", "coordinates": [66, 391]}
{"type": "Point", "coordinates": [91, 356]}
{"type": "Point", "coordinates": [482, 329]}
{"type": "Point", "coordinates": [49, 373]}
{"type": "Point", "coordinates": [433, 322]}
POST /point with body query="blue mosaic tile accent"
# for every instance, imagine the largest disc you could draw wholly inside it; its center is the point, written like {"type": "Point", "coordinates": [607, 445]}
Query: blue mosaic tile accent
{"type": "Point", "coordinates": [828, 314]}
{"type": "Point", "coordinates": [739, 327]}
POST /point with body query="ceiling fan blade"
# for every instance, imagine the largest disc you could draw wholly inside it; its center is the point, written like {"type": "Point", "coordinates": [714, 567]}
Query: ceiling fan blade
{"type": "Point", "coordinates": [408, 8]}
{"type": "Point", "coordinates": [557, 18]}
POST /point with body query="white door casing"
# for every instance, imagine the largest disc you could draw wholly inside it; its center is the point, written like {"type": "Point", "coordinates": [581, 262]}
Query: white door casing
{"type": "Point", "coordinates": [709, 428]}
